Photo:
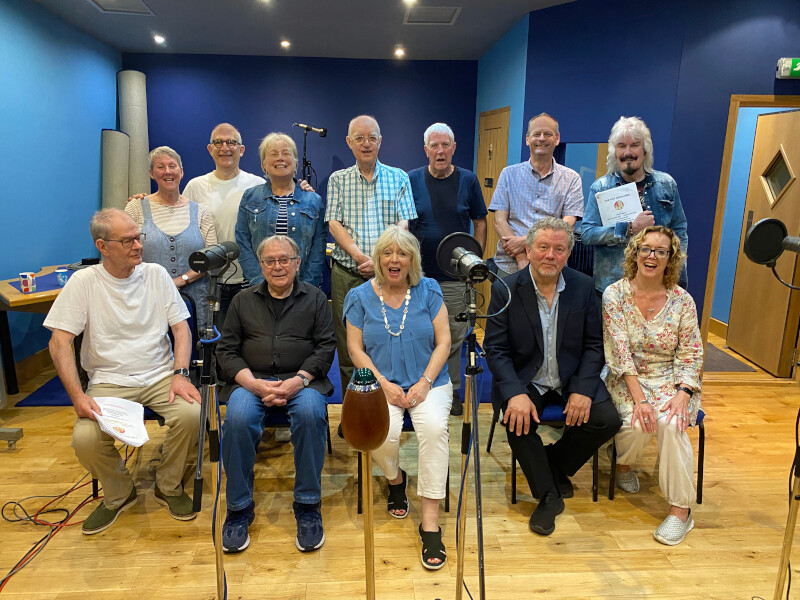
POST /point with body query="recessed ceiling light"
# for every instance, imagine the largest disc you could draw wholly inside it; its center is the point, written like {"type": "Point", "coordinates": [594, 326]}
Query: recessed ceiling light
{"type": "Point", "coordinates": [399, 51]}
{"type": "Point", "coordinates": [159, 39]}
{"type": "Point", "coordinates": [285, 43]}
{"type": "Point", "coordinates": [410, 1]}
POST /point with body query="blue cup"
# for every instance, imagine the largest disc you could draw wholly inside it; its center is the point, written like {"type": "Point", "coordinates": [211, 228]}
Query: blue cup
{"type": "Point", "coordinates": [61, 275]}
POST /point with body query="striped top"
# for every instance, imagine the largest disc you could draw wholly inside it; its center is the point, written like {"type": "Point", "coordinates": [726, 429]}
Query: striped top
{"type": "Point", "coordinates": [282, 224]}
{"type": "Point", "coordinates": [173, 220]}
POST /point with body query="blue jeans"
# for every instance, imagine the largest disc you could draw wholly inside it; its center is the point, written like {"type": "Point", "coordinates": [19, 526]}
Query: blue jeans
{"type": "Point", "coordinates": [241, 432]}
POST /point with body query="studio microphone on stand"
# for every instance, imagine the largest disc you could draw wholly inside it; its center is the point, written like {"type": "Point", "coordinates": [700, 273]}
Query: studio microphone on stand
{"type": "Point", "coordinates": [322, 131]}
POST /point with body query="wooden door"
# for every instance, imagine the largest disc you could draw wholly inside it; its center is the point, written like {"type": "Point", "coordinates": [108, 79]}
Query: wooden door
{"type": "Point", "coordinates": [764, 315]}
{"type": "Point", "coordinates": [492, 157]}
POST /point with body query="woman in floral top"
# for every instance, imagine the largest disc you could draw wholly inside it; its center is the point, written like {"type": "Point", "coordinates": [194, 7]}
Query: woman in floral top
{"type": "Point", "coordinates": [654, 355]}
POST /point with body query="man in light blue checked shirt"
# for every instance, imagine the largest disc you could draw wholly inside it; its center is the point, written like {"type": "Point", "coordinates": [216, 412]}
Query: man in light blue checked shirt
{"type": "Point", "coordinates": [362, 201]}
{"type": "Point", "coordinates": [532, 190]}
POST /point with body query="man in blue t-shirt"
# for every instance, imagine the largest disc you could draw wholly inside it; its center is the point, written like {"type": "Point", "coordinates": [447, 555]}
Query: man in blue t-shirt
{"type": "Point", "coordinates": [447, 198]}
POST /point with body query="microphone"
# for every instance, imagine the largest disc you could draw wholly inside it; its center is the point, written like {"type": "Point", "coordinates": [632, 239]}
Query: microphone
{"type": "Point", "coordinates": [213, 257]}
{"type": "Point", "coordinates": [320, 130]}
{"type": "Point", "coordinates": [469, 266]}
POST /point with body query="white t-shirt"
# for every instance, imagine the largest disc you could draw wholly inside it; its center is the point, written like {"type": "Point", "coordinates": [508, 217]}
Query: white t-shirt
{"type": "Point", "coordinates": [124, 322]}
{"type": "Point", "coordinates": [223, 198]}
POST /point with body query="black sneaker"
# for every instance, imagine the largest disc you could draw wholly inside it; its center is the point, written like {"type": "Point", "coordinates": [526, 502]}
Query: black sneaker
{"type": "Point", "coordinates": [235, 531]}
{"type": "Point", "coordinates": [457, 408]}
{"type": "Point", "coordinates": [543, 519]}
{"type": "Point", "coordinates": [310, 534]}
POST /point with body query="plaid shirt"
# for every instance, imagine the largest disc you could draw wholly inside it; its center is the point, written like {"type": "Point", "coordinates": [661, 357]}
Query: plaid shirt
{"type": "Point", "coordinates": [527, 197]}
{"type": "Point", "coordinates": [367, 208]}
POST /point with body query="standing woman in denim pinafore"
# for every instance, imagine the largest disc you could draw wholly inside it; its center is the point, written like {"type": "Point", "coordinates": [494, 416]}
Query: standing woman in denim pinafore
{"type": "Point", "coordinates": [174, 227]}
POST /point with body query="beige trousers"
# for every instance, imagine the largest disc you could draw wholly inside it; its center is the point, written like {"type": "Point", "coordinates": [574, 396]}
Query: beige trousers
{"type": "Point", "coordinates": [675, 456]}
{"type": "Point", "coordinates": [98, 454]}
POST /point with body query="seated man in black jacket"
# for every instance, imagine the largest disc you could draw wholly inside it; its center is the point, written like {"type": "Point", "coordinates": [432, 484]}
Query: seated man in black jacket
{"type": "Point", "coordinates": [277, 345]}
{"type": "Point", "coordinates": [548, 348]}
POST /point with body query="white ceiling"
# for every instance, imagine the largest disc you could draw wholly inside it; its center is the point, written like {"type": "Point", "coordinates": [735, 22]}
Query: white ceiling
{"type": "Point", "coordinates": [323, 28]}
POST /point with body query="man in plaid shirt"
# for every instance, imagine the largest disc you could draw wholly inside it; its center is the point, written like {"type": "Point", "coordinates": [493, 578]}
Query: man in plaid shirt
{"type": "Point", "coordinates": [362, 201]}
{"type": "Point", "coordinates": [532, 190]}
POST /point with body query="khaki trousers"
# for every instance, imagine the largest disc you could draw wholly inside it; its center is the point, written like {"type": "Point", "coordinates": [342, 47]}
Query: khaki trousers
{"type": "Point", "coordinates": [98, 454]}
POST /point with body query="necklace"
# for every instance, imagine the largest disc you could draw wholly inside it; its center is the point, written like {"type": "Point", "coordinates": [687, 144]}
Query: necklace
{"type": "Point", "coordinates": [405, 311]}
{"type": "Point", "coordinates": [652, 308]}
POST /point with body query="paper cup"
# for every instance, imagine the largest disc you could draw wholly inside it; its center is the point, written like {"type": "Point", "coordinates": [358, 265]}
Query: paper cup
{"type": "Point", "coordinates": [61, 276]}
{"type": "Point", "coordinates": [27, 281]}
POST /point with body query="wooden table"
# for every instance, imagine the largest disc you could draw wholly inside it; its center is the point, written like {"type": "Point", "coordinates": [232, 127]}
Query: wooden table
{"type": "Point", "coordinates": [12, 299]}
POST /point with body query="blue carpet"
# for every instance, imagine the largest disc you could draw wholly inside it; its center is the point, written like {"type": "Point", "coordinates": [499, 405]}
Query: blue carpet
{"type": "Point", "coordinates": [53, 393]}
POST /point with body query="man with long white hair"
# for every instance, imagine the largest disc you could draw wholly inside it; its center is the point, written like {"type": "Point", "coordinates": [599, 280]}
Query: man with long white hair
{"type": "Point", "coordinates": [630, 160]}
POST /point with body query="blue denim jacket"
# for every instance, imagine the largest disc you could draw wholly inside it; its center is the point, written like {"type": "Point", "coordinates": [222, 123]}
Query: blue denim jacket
{"type": "Point", "coordinates": [660, 196]}
{"type": "Point", "coordinates": [258, 215]}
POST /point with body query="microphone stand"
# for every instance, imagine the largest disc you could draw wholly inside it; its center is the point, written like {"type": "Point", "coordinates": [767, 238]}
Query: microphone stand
{"type": "Point", "coordinates": [471, 402]}
{"type": "Point", "coordinates": [209, 423]}
{"type": "Point", "coordinates": [307, 169]}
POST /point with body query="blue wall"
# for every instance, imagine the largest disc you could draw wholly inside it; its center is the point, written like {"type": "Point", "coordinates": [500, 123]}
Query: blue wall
{"type": "Point", "coordinates": [58, 92]}
{"type": "Point", "coordinates": [676, 66]}
{"type": "Point", "coordinates": [501, 82]}
{"type": "Point", "coordinates": [188, 94]}
{"type": "Point", "coordinates": [734, 209]}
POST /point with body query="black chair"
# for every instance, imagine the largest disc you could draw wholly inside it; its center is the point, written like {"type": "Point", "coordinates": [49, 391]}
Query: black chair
{"type": "Point", "coordinates": [407, 426]}
{"type": "Point", "coordinates": [552, 416]}
{"type": "Point", "coordinates": [701, 453]}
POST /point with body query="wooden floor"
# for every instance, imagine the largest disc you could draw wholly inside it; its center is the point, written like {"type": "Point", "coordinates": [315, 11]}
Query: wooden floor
{"type": "Point", "coordinates": [599, 550]}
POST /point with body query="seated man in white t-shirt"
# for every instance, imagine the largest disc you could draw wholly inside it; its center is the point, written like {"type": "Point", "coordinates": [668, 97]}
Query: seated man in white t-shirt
{"type": "Point", "coordinates": [124, 308]}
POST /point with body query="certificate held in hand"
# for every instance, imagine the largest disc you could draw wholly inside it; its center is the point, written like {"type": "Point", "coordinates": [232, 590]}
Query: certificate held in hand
{"type": "Point", "coordinates": [618, 205]}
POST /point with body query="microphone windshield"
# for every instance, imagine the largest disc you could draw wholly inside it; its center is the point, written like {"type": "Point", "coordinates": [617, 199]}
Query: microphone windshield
{"type": "Point", "coordinates": [763, 243]}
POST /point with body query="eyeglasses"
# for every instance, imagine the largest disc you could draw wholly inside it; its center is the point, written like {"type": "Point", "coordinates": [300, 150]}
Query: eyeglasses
{"type": "Point", "coordinates": [127, 243]}
{"type": "Point", "coordinates": [282, 261]}
{"type": "Point", "coordinates": [359, 139]}
{"type": "Point", "coordinates": [644, 252]}
{"type": "Point", "coordinates": [218, 143]}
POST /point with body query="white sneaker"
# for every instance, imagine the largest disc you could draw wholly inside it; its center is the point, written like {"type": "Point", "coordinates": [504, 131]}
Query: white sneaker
{"type": "Point", "coordinates": [627, 482]}
{"type": "Point", "coordinates": [283, 435]}
{"type": "Point", "coordinates": [672, 530]}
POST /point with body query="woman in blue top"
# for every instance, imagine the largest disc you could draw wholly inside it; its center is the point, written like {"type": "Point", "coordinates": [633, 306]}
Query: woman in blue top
{"type": "Point", "coordinates": [281, 207]}
{"type": "Point", "coordinates": [397, 327]}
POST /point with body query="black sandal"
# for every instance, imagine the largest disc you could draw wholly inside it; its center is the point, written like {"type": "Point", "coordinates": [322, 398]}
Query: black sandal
{"type": "Point", "coordinates": [432, 548]}
{"type": "Point", "coordinates": [397, 497]}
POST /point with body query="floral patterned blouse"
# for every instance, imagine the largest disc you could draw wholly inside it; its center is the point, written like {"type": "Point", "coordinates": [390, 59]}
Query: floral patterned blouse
{"type": "Point", "coordinates": [662, 352]}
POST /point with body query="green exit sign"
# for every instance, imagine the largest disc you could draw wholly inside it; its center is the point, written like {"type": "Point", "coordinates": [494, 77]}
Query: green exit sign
{"type": "Point", "coordinates": [788, 68]}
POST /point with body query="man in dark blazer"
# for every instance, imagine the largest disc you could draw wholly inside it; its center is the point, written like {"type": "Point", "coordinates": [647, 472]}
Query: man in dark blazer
{"type": "Point", "coordinates": [548, 348]}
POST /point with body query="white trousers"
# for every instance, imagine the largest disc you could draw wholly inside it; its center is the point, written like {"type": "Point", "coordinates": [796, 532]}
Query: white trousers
{"type": "Point", "coordinates": [430, 424]}
{"type": "Point", "coordinates": [675, 456]}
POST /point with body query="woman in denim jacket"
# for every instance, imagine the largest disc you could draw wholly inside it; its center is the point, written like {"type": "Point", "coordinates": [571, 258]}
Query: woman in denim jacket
{"type": "Point", "coordinates": [281, 207]}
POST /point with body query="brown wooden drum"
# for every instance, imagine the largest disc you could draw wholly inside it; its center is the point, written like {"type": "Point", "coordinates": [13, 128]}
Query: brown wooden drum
{"type": "Point", "coordinates": [365, 415]}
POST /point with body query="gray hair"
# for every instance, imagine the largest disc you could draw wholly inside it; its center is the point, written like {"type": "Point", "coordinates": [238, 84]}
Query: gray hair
{"type": "Point", "coordinates": [553, 224]}
{"type": "Point", "coordinates": [213, 131]}
{"type": "Point", "coordinates": [636, 128]}
{"type": "Point", "coordinates": [269, 142]}
{"type": "Point", "coordinates": [165, 151]}
{"type": "Point", "coordinates": [100, 224]}
{"type": "Point", "coordinates": [283, 239]}
{"type": "Point", "coordinates": [438, 128]}
{"type": "Point", "coordinates": [407, 243]}
{"type": "Point", "coordinates": [354, 119]}
{"type": "Point", "coordinates": [543, 114]}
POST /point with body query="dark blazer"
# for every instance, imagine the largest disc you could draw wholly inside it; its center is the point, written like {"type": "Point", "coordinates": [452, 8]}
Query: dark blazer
{"type": "Point", "coordinates": [513, 341]}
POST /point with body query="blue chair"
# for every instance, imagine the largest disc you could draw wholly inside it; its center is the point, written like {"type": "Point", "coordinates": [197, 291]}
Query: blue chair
{"type": "Point", "coordinates": [701, 453]}
{"type": "Point", "coordinates": [407, 426]}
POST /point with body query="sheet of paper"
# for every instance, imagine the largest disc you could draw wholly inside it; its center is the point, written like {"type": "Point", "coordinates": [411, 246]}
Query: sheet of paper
{"type": "Point", "coordinates": [618, 205]}
{"type": "Point", "coordinates": [122, 419]}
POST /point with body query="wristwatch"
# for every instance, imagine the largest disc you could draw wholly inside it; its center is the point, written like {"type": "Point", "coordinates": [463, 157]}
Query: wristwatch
{"type": "Point", "coordinates": [185, 278]}
{"type": "Point", "coordinates": [304, 379]}
{"type": "Point", "coordinates": [683, 388]}
{"type": "Point", "coordinates": [184, 372]}
{"type": "Point", "coordinates": [428, 379]}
